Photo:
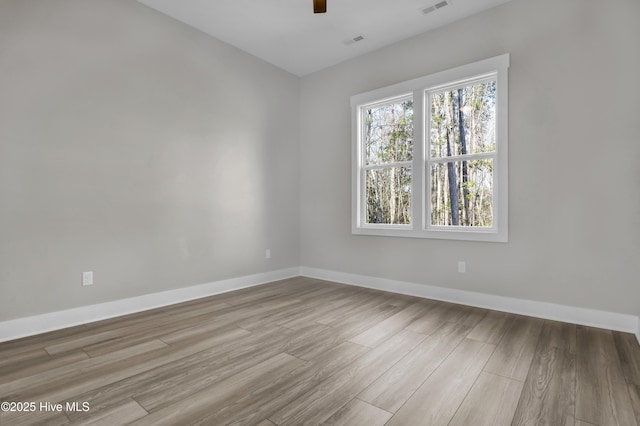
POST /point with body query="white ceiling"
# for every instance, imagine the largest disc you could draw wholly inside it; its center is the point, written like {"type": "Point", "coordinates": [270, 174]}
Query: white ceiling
{"type": "Point", "coordinates": [289, 35]}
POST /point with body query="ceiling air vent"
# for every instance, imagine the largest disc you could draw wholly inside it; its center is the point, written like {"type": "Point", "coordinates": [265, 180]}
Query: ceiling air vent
{"type": "Point", "coordinates": [435, 7]}
{"type": "Point", "coordinates": [353, 40]}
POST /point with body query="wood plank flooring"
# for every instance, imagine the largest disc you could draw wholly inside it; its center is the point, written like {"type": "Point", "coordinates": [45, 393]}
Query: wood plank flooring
{"type": "Point", "coordinates": [309, 352]}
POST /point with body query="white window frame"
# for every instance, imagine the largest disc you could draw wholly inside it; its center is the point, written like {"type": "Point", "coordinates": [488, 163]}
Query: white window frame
{"type": "Point", "coordinates": [420, 190]}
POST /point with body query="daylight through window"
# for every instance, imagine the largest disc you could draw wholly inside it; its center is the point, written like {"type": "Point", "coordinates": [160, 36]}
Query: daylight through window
{"type": "Point", "coordinates": [462, 148]}
{"type": "Point", "coordinates": [430, 155]}
{"type": "Point", "coordinates": [388, 153]}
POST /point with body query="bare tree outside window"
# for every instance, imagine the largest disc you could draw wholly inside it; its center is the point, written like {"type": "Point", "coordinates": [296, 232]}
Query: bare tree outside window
{"type": "Point", "coordinates": [388, 152]}
{"type": "Point", "coordinates": [462, 124]}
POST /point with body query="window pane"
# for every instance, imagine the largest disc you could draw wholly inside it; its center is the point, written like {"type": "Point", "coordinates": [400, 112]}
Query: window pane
{"type": "Point", "coordinates": [463, 120]}
{"type": "Point", "coordinates": [462, 193]}
{"type": "Point", "coordinates": [388, 132]}
{"type": "Point", "coordinates": [388, 193]}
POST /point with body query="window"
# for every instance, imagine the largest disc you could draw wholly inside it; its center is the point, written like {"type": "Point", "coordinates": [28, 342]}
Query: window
{"type": "Point", "coordinates": [388, 158]}
{"type": "Point", "coordinates": [430, 156]}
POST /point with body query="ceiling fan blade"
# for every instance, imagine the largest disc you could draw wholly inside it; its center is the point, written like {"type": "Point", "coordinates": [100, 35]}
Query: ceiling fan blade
{"type": "Point", "coordinates": [319, 6]}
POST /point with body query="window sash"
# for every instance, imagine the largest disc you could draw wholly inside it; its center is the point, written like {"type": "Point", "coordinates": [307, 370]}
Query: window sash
{"type": "Point", "coordinates": [458, 84]}
{"type": "Point", "coordinates": [364, 167]}
{"type": "Point", "coordinates": [388, 165]}
{"type": "Point", "coordinates": [431, 160]}
{"type": "Point", "coordinates": [465, 157]}
{"type": "Point", "coordinates": [363, 196]}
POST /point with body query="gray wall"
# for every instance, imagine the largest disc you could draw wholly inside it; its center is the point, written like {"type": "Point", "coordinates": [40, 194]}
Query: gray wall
{"type": "Point", "coordinates": [574, 157]}
{"type": "Point", "coordinates": [139, 148]}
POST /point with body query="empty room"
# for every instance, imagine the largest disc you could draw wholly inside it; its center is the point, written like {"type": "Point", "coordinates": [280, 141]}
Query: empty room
{"type": "Point", "coordinates": [319, 212]}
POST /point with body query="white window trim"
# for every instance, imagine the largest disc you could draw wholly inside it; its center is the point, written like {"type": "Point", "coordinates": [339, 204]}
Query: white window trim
{"type": "Point", "coordinates": [420, 228]}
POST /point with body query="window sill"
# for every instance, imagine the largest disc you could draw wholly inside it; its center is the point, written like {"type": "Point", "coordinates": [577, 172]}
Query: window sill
{"type": "Point", "coordinates": [438, 234]}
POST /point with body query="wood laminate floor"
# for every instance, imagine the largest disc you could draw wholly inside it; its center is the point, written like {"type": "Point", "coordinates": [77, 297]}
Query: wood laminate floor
{"type": "Point", "coordinates": [303, 351]}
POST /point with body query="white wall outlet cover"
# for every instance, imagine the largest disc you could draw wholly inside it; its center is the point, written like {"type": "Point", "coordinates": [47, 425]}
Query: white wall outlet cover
{"type": "Point", "coordinates": [87, 278]}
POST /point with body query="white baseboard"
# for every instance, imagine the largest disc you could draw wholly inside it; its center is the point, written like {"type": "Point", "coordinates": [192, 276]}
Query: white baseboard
{"type": "Point", "coordinates": [22, 327]}
{"type": "Point", "coordinates": [552, 311]}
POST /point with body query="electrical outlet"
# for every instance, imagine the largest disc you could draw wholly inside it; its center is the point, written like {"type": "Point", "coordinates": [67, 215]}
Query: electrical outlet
{"type": "Point", "coordinates": [267, 254]}
{"type": "Point", "coordinates": [462, 266]}
{"type": "Point", "coordinates": [87, 278]}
